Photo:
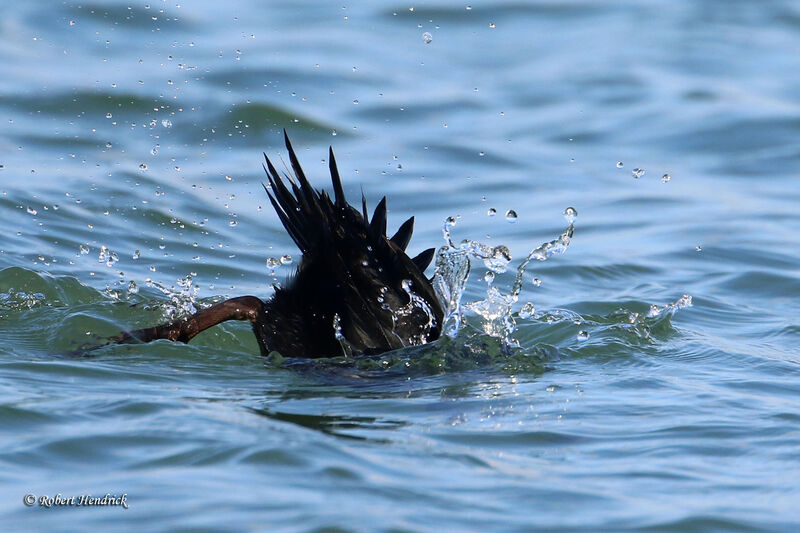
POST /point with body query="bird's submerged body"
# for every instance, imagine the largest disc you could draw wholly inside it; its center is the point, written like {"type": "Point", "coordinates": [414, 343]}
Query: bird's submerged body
{"type": "Point", "coordinates": [355, 290]}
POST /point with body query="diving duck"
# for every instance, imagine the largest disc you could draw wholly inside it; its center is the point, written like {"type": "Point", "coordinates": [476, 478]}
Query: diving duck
{"type": "Point", "coordinates": [355, 291]}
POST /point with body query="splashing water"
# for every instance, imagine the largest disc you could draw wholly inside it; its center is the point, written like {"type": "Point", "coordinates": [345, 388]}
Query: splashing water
{"type": "Point", "coordinates": [106, 256]}
{"type": "Point", "coordinates": [411, 313]}
{"type": "Point", "coordinates": [415, 303]}
{"type": "Point", "coordinates": [347, 350]}
{"type": "Point", "coordinates": [495, 310]}
{"type": "Point", "coordinates": [15, 299]}
{"type": "Point", "coordinates": [183, 301]}
{"type": "Point", "coordinates": [620, 326]}
{"type": "Point", "coordinates": [452, 271]}
{"type": "Point", "coordinates": [670, 308]}
{"type": "Point", "coordinates": [449, 281]}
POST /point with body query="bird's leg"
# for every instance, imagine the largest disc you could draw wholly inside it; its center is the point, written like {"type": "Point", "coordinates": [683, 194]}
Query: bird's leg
{"type": "Point", "coordinates": [241, 308]}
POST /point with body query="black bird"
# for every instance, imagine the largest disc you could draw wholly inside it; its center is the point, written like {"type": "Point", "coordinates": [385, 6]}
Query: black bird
{"type": "Point", "coordinates": [355, 290]}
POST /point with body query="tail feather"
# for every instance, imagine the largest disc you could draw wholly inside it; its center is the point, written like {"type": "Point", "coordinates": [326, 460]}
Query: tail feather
{"type": "Point", "coordinates": [423, 259]}
{"type": "Point", "coordinates": [378, 224]}
{"type": "Point", "coordinates": [403, 235]}
{"type": "Point", "coordinates": [305, 192]}
{"type": "Point", "coordinates": [282, 194]}
{"type": "Point", "coordinates": [287, 207]}
{"type": "Point", "coordinates": [305, 212]}
{"type": "Point", "coordinates": [337, 182]}
{"type": "Point", "coordinates": [294, 232]}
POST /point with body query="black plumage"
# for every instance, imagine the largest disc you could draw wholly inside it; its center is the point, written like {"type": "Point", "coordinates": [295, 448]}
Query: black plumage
{"type": "Point", "coordinates": [355, 290]}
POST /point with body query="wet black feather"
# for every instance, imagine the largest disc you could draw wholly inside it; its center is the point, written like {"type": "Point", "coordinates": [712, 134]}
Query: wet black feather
{"type": "Point", "coordinates": [349, 270]}
{"type": "Point", "coordinates": [424, 259]}
{"type": "Point", "coordinates": [403, 235]}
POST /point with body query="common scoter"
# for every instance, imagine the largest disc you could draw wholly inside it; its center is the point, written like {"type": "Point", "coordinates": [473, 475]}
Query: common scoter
{"type": "Point", "coordinates": [355, 290]}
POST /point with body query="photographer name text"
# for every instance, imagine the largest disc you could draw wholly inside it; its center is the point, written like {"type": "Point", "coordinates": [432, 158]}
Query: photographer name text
{"type": "Point", "coordinates": [84, 500]}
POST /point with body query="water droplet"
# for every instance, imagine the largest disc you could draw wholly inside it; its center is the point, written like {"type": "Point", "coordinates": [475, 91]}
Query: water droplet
{"type": "Point", "coordinates": [286, 259]}
{"type": "Point", "coordinates": [84, 248]}
{"type": "Point", "coordinates": [638, 172]}
{"type": "Point", "coordinates": [273, 262]}
{"type": "Point", "coordinates": [620, 164]}
{"type": "Point", "coordinates": [154, 151]}
{"type": "Point", "coordinates": [491, 212]}
{"type": "Point", "coordinates": [143, 166]}
{"type": "Point", "coordinates": [527, 310]}
{"type": "Point", "coordinates": [427, 37]}
{"type": "Point", "coordinates": [582, 335]}
{"type": "Point", "coordinates": [136, 254]}
{"type": "Point", "coordinates": [109, 115]}
{"type": "Point", "coordinates": [166, 123]}
{"type": "Point", "coordinates": [32, 211]}
{"type": "Point", "coordinates": [537, 282]}
{"type": "Point", "coordinates": [489, 277]}
{"type": "Point", "coordinates": [232, 223]}
{"type": "Point", "coordinates": [511, 216]}
{"type": "Point", "coordinates": [492, 25]}
{"type": "Point", "coordinates": [355, 102]}
{"type": "Point", "coordinates": [570, 213]}
{"type": "Point", "coordinates": [108, 144]}
{"type": "Point", "coordinates": [698, 248]}
{"type": "Point", "coordinates": [71, 22]}
{"type": "Point", "coordinates": [132, 287]}
{"type": "Point", "coordinates": [495, 259]}
{"type": "Point", "coordinates": [665, 178]}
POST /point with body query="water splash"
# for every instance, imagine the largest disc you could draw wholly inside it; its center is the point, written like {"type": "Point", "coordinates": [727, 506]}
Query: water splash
{"type": "Point", "coordinates": [17, 300]}
{"type": "Point", "coordinates": [450, 278]}
{"type": "Point", "coordinates": [414, 304]}
{"type": "Point", "coordinates": [106, 256]}
{"type": "Point", "coordinates": [453, 265]}
{"type": "Point", "coordinates": [183, 301]}
{"type": "Point", "coordinates": [527, 310]}
{"type": "Point", "coordinates": [670, 308]}
{"type": "Point", "coordinates": [495, 310]}
{"type": "Point", "coordinates": [630, 327]}
{"type": "Point", "coordinates": [547, 250]}
{"type": "Point", "coordinates": [347, 350]}
{"type": "Point", "coordinates": [449, 223]}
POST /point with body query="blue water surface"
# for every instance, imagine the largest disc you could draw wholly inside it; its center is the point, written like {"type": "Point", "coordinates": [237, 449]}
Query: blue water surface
{"type": "Point", "coordinates": [131, 137]}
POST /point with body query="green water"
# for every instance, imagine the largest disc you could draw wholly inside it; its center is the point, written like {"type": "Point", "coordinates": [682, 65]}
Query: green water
{"type": "Point", "coordinates": [130, 192]}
